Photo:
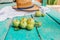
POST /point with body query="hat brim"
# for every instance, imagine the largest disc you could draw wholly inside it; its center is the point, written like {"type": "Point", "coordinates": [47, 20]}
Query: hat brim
{"type": "Point", "coordinates": [34, 8]}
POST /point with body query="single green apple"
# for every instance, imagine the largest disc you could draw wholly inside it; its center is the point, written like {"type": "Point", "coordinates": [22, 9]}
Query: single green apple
{"type": "Point", "coordinates": [23, 24]}
{"type": "Point", "coordinates": [16, 23]}
{"type": "Point", "coordinates": [38, 13]}
{"type": "Point", "coordinates": [30, 26]}
{"type": "Point", "coordinates": [42, 15]}
{"type": "Point", "coordinates": [38, 24]}
{"type": "Point", "coordinates": [30, 21]}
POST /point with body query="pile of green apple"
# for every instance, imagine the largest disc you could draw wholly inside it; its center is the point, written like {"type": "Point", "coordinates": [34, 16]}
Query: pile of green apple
{"type": "Point", "coordinates": [25, 23]}
{"type": "Point", "coordinates": [39, 14]}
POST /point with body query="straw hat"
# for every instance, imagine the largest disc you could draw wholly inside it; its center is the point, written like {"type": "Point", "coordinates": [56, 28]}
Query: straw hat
{"type": "Point", "coordinates": [25, 5]}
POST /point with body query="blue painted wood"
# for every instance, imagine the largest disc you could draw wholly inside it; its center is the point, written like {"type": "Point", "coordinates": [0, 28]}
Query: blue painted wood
{"type": "Point", "coordinates": [54, 14]}
{"type": "Point", "coordinates": [4, 26]}
{"type": "Point", "coordinates": [49, 30]}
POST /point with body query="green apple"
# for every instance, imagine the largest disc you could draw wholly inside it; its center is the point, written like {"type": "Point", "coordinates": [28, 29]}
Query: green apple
{"type": "Point", "coordinates": [38, 13]}
{"type": "Point", "coordinates": [42, 15]}
{"type": "Point", "coordinates": [16, 23]}
{"type": "Point", "coordinates": [30, 26]}
{"type": "Point", "coordinates": [30, 21]}
{"type": "Point", "coordinates": [23, 24]}
{"type": "Point", "coordinates": [24, 19]}
{"type": "Point", "coordinates": [38, 24]}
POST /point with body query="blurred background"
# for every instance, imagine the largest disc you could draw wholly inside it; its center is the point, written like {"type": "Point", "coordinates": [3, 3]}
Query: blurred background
{"type": "Point", "coordinates": [49, 2]}
{"type": "Point", "coordinates": [55, 4]}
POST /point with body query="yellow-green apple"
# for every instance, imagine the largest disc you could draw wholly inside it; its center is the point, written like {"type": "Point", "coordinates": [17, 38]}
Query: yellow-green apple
{"type": "Point", "coordinates": [42, 15]}
{"type": "Point", "coordinates": [38, 24]}
{"type": "Point", "coordinates": [38, 13]}
{"type": "Point", "coordinates": [31, 21]}
{"type": "Point", "coordinates": [30, 26]}
{"type": "Point", "coordinates": [23, 24]}
{"type": "Point", "coordinates": [16, 23]}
